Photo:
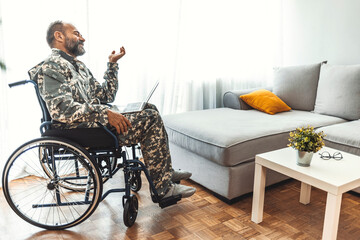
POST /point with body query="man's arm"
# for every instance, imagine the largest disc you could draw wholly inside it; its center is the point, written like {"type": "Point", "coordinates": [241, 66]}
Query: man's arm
{"type": "Point", "coordinates": [116, 119]}
{"type": "Point", "coordinates": [106, 92]}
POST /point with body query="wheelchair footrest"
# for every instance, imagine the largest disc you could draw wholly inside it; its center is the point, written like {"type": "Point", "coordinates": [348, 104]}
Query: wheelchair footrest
{"type": "Point", "coordinates": [165, 202]}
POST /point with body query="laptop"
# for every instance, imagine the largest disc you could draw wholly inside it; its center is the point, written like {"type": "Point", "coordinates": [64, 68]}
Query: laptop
{"type": "Point", "coordinates": [137, 106]}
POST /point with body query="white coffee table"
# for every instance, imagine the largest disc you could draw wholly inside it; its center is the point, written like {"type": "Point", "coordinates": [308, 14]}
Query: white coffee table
{"type": "Point", "coordinates": [334, 177]}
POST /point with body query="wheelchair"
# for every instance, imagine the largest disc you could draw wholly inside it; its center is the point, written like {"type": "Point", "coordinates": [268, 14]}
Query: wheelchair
{"type": "Point", "coordinates": [56, 181]}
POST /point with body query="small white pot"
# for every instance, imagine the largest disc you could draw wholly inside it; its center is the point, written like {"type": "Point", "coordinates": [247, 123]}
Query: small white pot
{"type": "Point", "coordinates": [303, 159]}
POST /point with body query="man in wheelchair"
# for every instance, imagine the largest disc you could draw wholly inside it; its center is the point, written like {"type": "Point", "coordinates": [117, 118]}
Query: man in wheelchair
{"type": "Point", "coordinates": [75, 99]}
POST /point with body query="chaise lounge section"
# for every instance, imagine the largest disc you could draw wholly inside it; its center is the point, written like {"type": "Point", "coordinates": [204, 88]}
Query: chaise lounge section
{"type": "Point", "coordinates": [219, 145]}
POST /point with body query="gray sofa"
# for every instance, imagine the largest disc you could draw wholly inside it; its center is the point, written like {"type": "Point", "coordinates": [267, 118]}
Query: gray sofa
{"type": "Point", "coordinates": [219, 145]}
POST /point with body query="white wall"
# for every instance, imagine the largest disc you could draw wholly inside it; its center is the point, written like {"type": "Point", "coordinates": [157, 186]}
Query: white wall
{"type": "Point", "coordinates": [317, 30]}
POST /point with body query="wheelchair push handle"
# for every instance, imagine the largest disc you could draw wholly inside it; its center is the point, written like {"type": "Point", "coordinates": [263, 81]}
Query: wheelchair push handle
{"type": "Point", "coordinates": [14, 84]}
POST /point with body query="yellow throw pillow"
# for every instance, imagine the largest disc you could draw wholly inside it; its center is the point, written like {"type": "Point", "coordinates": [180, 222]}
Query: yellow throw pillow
{"type": "Point", "coordinates": [265, 101]}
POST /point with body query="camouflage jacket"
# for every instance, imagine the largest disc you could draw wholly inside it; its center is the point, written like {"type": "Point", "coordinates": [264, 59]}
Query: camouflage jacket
{"type": "Point", "coordinates": [72, 95]}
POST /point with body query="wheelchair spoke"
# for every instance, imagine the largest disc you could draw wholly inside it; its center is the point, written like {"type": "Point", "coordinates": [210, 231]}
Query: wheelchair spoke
{"type": "Point", "coordinates": [43, 198]}
{"type": "Point", "coordinates": [37, 172]}
{"type": "Point", "coordinates": [42, 201]}
{"type": "Point", "coordinates": [22, 192]}
{"type": "Point", "coordinates": [25, 199]}
{"type": "Point", "coordinates": [70, 207]}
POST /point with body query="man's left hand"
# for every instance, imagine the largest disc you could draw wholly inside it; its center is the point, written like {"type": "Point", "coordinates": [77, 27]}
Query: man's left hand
{"type": "Point", "coordinates": [114, 57]}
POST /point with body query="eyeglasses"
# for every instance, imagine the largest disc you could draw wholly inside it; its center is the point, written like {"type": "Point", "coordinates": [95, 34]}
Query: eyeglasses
{"type": "Point", "coordinates": [326, 156]}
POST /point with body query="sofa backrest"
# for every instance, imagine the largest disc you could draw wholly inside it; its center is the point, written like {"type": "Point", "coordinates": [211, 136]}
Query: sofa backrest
{"type": "Point", "coordinates": [338, 92]}
{"type": "Point", "coordinates": [297, 85]}
{"type": "Point", "coordinates": [323, 88]}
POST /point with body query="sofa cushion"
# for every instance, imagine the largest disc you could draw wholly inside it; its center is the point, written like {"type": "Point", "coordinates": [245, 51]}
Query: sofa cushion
{"type": "Point", "coordinates": [338, 91]}
{"type": "Point", "coordinates": [297, 85]}
{"type": "Point", "coordinates": [265, 101]}
{"type": "Point", "coordinates": [343, 136]}
{"type": "Point", "coordinates": [231, 98]}
{"type": "Point", "coordinates": [229, 136]}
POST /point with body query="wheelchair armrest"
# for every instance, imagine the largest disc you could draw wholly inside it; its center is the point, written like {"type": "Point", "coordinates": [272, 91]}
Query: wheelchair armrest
{"type": "Point", "coordinates": [44, 125]}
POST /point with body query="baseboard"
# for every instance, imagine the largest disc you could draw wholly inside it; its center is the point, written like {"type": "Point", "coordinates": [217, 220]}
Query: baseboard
{"type": "Point", "coordinates": [237, 199]}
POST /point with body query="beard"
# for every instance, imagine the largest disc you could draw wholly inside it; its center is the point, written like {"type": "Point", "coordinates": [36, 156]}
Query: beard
{"type": "Point", "coordinates": [74, 47]}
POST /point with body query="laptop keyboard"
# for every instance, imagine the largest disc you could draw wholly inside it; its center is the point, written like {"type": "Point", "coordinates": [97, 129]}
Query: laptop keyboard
{"type": "Point", "coordinates": [133, 106]}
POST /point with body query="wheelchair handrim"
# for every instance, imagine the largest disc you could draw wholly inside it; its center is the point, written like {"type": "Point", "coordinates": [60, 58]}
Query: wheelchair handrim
{"type": "Point", "coordinates": [93, 171]}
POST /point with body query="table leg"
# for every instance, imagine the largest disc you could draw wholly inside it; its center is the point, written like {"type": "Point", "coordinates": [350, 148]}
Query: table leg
{"type": "Point", "coordinates": [258, 194]}
{"type": "Point", "coordinates": [332, 214]}
{"type": "Point", "coordinates": [305, 193]}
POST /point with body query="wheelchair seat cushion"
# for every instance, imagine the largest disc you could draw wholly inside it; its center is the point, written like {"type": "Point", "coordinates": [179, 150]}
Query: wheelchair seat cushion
{"type": "Point", "coordinates": [85, 137]}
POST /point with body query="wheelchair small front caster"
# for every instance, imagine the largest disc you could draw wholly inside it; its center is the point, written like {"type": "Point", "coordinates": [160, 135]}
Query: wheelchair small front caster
{"type": "Point", "coordinates": [135, 181]}
{"type": "Point", "coordinates": [130, 210]}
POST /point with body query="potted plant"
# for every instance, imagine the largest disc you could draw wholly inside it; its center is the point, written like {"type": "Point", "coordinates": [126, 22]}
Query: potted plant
{"type": "Point", "coordinates": [307, 142]}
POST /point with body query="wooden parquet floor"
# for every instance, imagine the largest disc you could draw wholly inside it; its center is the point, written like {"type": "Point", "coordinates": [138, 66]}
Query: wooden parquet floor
{"type": "Point", "coordinates": [202, 216]}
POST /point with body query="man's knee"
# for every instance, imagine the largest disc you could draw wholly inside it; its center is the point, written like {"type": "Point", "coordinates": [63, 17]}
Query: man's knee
{"type": "Point", "coordinates": [151, 106]}
{"type": "Point", "coordinates": [154, 121]}
{"type": "Point", "coordinates": [153, 114]}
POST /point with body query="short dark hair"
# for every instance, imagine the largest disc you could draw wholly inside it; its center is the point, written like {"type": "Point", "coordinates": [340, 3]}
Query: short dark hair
{"type": "Point", "coordinates": [53, 27]}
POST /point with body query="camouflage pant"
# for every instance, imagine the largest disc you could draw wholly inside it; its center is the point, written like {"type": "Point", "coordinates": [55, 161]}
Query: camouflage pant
{"type": "Point", "coordinates": [148, 130]}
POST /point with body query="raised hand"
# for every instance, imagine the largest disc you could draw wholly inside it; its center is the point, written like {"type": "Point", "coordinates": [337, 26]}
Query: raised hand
{"type": "Point", "coordinates": [114, 57]}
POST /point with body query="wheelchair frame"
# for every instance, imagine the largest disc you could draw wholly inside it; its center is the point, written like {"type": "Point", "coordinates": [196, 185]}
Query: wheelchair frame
{"type": "Point", "coordinates": [72, 175]}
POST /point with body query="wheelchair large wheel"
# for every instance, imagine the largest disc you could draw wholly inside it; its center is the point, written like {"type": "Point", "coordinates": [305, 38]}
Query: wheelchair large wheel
{"type": "Point", "coordinates": [39, 197]}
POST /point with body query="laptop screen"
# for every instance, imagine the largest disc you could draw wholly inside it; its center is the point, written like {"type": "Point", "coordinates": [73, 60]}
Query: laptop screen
{"type": "Point", "coordinates": [152, 91]}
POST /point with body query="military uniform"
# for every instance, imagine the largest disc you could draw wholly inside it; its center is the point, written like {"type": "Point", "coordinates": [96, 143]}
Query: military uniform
{"type": "Point", "coordinates": [76, 100]}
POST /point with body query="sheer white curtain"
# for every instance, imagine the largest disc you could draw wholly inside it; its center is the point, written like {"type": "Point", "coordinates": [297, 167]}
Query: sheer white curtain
{"type": "Point", "coordinates": [149, 32]}
{"type": "Point", "coordinates": [4, 152]}
{"type": "Point", "coordinates": [225, 45]}
{"type": "Point", "coordinates": [24, 25]}
{"type": "Point", "coordinates": [197, 49]}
